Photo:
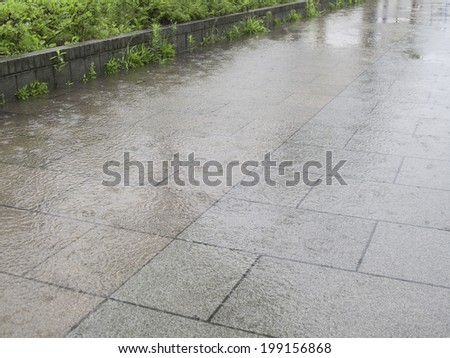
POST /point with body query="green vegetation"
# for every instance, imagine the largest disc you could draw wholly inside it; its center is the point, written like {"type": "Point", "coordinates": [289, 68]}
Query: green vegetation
{"type": "Point", "coordinates": [112, 66]}
{"type": "Point", "coordinates": [29, 25]}
{"type": "Point", "coordinates": [91, 75]}
{"type": "Point", "coordinates": [23, 93]}
{"type": "Point", "coordinates": [251, 26]}
{"type": "Point", "coordinates": [159, 50]}
{"type": "Point", "coordinates": [37, 88]}
{"type": "Point", "coordinates": [292, 16]}
{"type": "Point", "coordinates": [32, 89]}
{"type": "Point", "coordinates": [58, 61]}
{"type": "Point", "coordinates": [312, 8]}
{"type": "Point", "coordinates": [191, 43]}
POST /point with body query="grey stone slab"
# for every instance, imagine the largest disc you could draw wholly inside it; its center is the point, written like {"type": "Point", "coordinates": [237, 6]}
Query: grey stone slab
{"type": "Point", "coordinates": [325, 136]}
{"type": "Point", "coordinates": [30, 238]}
{"type": "Point", "coordinates": [41, 106]}
{"type": "Point", "coordinates": [186, 278]}
{"type": "Point", "coordinates": [382, 201]}
{"type": "Point", "coordinates": [411, 109]}
{"type": "Point", "coordinates": [121, 320]}
{"type": "Point", "coordinates": [117, 256]}
{"type": "Point", "coordinates": [9, 88]}
{"type": "Point", "coordinates": [156, 210]}
{"type": "Point", "coordinates": [287, 299]}
{"type": "Point", "coordinates": [358, 165]}
{"type": "Point", "coordinates": [29, 188]}
{"type": "Point", "coordinates": [32, 309]}
{"type": "Point", "coordinates": [270, 132]}
{"type": "Point", "coordinates": [300, 99]}
{"type": "Point", "coordinates": [229, 103]}
{"type": "Point", "coordinates": [46, 75]}
{"type": "Point", "coordinates": [280, 193]}
{"type": "Point", "coordinates": [345, 118]}
{"type": "Point", "coordinates": [434, 127]}
{"type": "Point", "coordinates": [409, 253]}
{"type": "Point", "coordinates": [401, 144]}
{"type": "Point", "coordinates": [35, 151]}
{"type": "Point", "coordinates": [426, 173]}
{"type": "Point", "coordinates": [25, 78]}
{"type": "Point", "coordinates": [283, 232]}
{"type": "Point", "coordinates": [336, 78]}
{"type": "Point", "coordinates": [353, 105]}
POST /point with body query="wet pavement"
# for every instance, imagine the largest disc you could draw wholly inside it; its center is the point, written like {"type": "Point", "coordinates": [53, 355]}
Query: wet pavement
{"type": "Point", "coordinates": [371, 258]}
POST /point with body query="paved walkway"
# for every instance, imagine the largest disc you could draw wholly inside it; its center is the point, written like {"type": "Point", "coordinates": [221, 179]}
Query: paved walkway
{"type": "Point", "coordinates": [372, 258]}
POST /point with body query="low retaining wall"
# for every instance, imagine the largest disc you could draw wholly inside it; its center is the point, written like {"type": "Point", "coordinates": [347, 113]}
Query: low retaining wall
{"type": "Point", "coordinates": [17, 71]}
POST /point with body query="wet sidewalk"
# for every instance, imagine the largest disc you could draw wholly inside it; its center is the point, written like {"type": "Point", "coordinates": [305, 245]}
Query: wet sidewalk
{"type": "Point", "coordinates": [371, 258]}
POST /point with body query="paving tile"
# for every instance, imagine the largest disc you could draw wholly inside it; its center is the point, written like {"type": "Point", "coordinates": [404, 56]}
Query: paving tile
{"type": "Point", "coordinates": [287, 299]}
{"type": "Point", "coordinates": [29, 188]}
{"type": "Point", "coordinates": [157, 210]}
{"type": "Point", "coordinates": [283, 232]}
{"type": "Point", "coordinates": [186, 278]}
{"type": "Point", "coordinates": [32, 309]}
{"type": "Point", "coordinates": [118, 254]}
{"type": "Point", "coordinates": [90, 161]}
{"type": "Point", "coordinates": [409, 253]}
{"type": "Point", "coordinates": [331, 138]}
{"type": "Point", "coordinates": [208, 147]}
{"type": "Point", "coordinates": [121, 320]}
{"type": "Point", "coordinates": [29, 238]}
{"type": "Point", "coordinates": [34, 151]}
{"type": "Point", "coordinates": [381, 201]}
{"type": "Point", "coordinates": [344, 117]}
{"type": "Point", "coordinates": [300, 99]}
{"type": "Point", "coordinates": [358, 165]}
{"type": "Point", "coordinates": [342, 73]}
{"type": "Point", "coordinates": [401, 144]}
{"type": "Point", "coordinates": [268, 129]}
{"type": "Point", "coordinates": [279, 194]}
{"type": "Point", "coordinates": [412, 110]}
{"type": "Point", "coordinates": [434, 127]}
{"type": "Point", "coordinates": [425, 173]}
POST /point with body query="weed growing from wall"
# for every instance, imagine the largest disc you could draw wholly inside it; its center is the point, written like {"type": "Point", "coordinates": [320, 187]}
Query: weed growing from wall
{"type": "Point", "coordinates": [312, 8]}
{"type": "Point", "coordinates": [112, 66]}
{"type": "Point", "coordinates": [58, 61]}
{"type": "Point", "coordinates": [32, 89]}
{"type": "Point", "coordinates": [91, 75]}
{"type": "Point", "coordinates": [190, 43]}
{"type": "Point", "coordinates": [292, 16]}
